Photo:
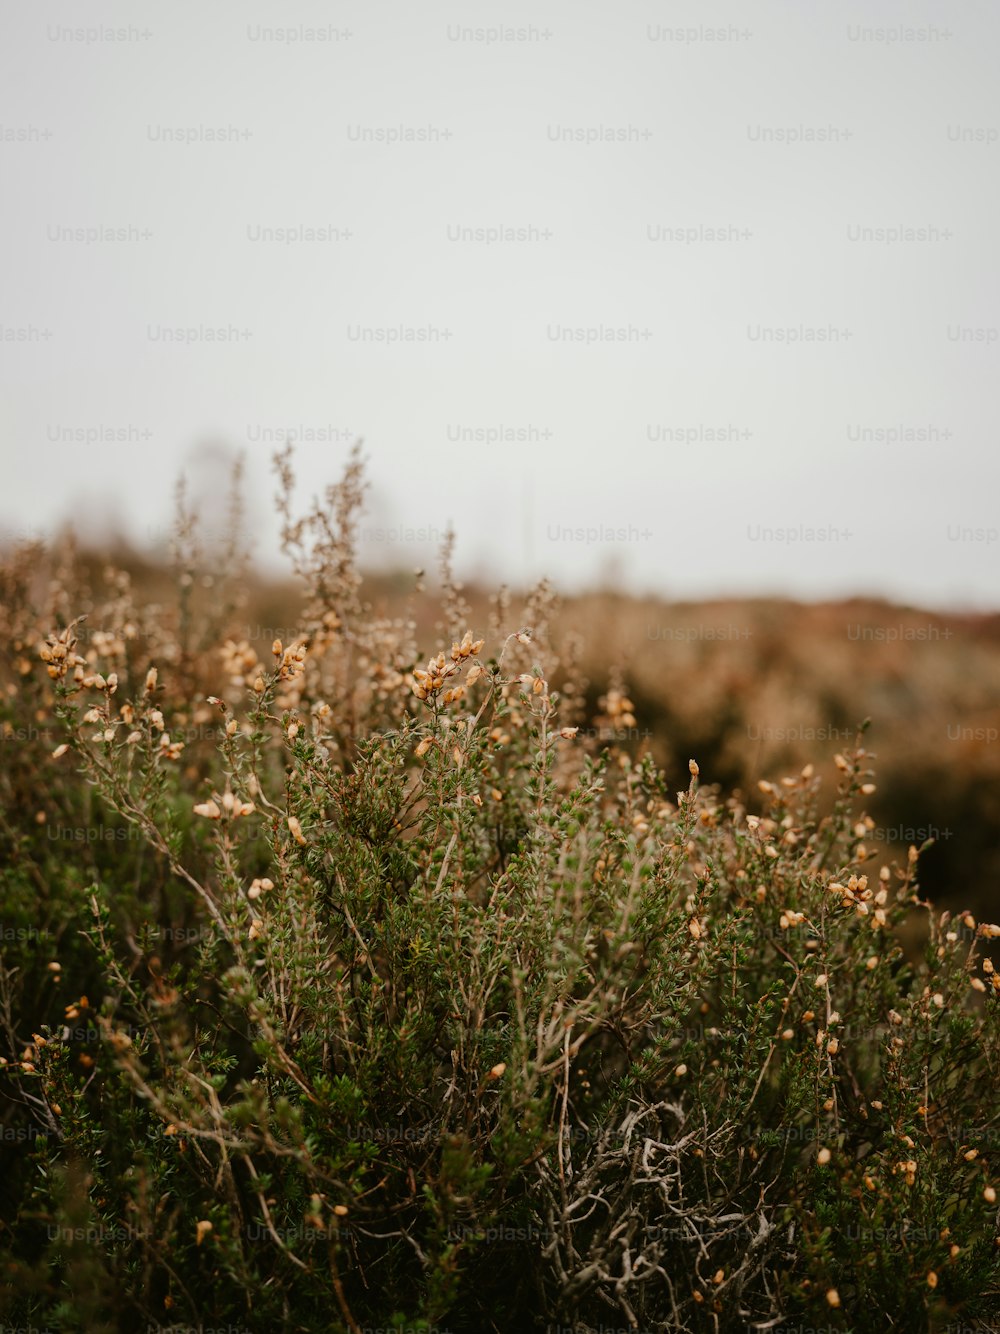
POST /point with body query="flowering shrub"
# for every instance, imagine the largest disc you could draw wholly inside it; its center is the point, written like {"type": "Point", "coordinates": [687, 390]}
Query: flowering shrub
{"type": "Point", "coordinates": [404, 1002]}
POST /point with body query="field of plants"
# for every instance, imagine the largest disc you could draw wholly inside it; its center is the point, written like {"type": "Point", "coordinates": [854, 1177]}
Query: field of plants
{"type": "Point", "coordinates": [380, 954]}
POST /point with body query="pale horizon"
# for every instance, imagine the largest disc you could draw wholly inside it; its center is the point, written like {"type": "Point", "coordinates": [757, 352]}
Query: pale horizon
{"type": "Point", "coordinates": [704, 303]}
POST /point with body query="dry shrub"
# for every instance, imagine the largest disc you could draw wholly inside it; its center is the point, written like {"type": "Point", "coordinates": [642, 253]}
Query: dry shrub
{"type": "Point", "coordinates": [381, 990]}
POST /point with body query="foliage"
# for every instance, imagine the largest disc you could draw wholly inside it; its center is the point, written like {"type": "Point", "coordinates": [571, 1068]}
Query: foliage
{"type": "Point", "coordinates": [378, 992]}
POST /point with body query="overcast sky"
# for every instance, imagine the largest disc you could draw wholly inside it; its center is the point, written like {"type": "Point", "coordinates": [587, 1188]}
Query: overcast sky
{"type": "Point", "coordinates": [726, 274]}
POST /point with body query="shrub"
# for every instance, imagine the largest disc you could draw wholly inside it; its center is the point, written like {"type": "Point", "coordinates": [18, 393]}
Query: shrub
{"type": "Point", "coordinates": [404, 1001]}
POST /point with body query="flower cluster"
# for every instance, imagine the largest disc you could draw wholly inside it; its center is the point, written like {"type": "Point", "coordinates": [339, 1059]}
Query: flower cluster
{"type": "Point", "coordinates": [231, 808]}
{"type": "Point", "coordinates": [58, 654]}
{"type": "Point", "coordinates": [427, 684]}
{"type": "Point", "coordinates": [857, 895]}
{"type": "Point", "coordinates": [291, 660]}
{"type": "Point", "coordinates": [239, 662]}
{"type": "Point", "coordinates": [618, 709]}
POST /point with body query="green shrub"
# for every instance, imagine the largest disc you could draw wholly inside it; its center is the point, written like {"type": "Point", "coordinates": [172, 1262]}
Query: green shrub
{"type": "Point", "coordinates": [408, 1003]}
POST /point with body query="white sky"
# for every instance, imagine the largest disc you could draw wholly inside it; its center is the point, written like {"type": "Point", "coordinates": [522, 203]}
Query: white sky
{"type": "Point", "coordinates": [82, 145]}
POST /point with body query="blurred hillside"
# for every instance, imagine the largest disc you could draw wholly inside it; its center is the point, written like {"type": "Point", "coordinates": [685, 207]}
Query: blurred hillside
{"type": "Point", "coordinates": [755, 689]}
